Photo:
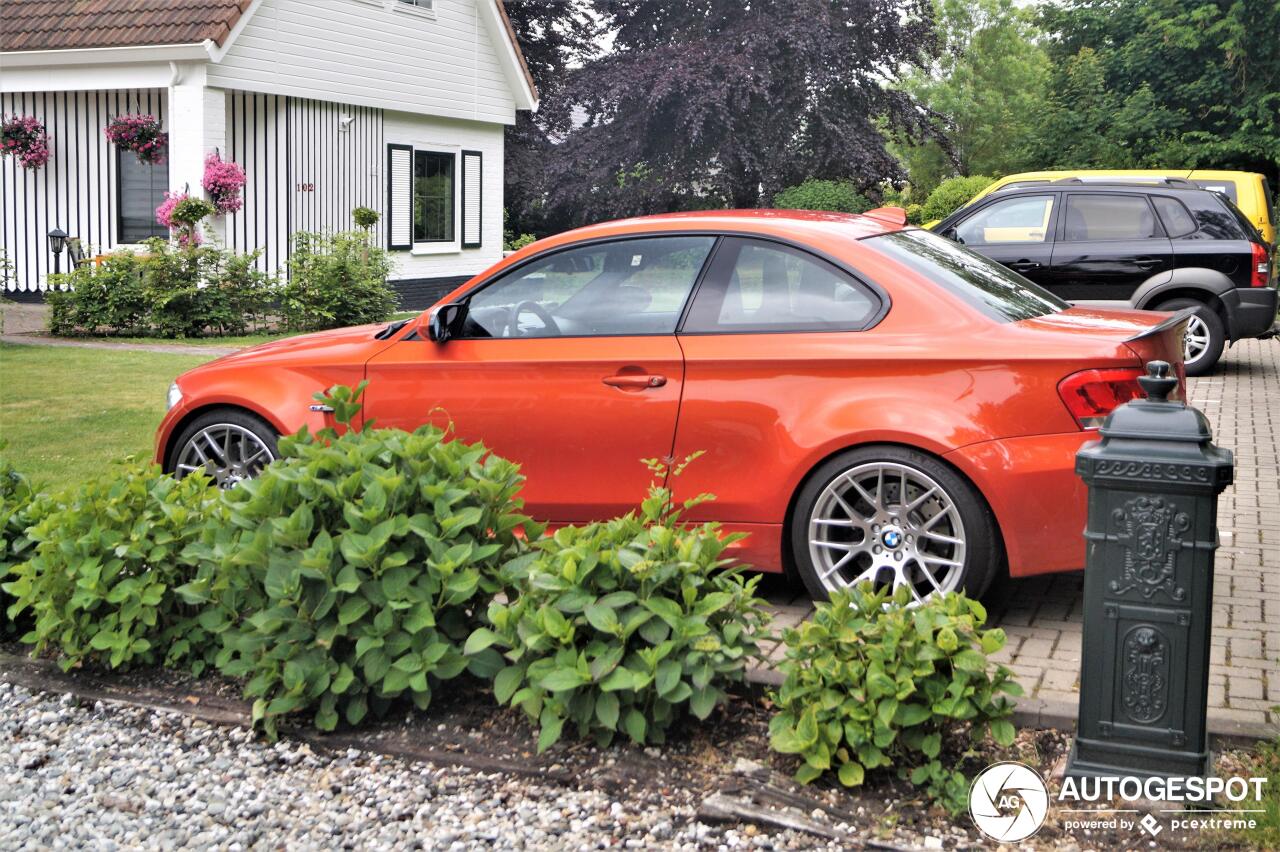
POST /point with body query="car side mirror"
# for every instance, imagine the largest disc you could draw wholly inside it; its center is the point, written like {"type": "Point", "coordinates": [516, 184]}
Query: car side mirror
{"type": "Point", "coordinates": [950, 234]}
{"type": "Point", "coordinates": [445, 321]}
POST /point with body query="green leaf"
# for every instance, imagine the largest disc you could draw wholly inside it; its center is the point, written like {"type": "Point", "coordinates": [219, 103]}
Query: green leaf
{"type": "Point", "coordinates": [851, 774]}
{"type": "Point", "coordinates": [703, 702]}
{"type": "Point", "coordinates": [668, 677]}
{"type": "Point", "coordinates": [507, 682]}
{"type": "Point", "coordinates": [550, 723]}
{"type": "Point", "coordinates": [1003, 732]}
{"type": "Point", "coordinates": [480, 639]}
{"type": "Point", "coordinates": [969, 660]}
{"type": "Point", "coordinates": [561, 680]}
{"type": "Point", "coordinates": [603, 619]}
{"type": "Point", "coordinates": [352, 610]}
{"type": "Point", "coordinates": [607, 710]}
{"type": "Point", "coordinates": [634, 725]}
{"type": "Point", "coordinates": [931, 745]}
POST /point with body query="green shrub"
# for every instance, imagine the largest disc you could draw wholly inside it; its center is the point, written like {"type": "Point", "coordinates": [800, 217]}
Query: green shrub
{"type": "Point", "coordinates": [189, 212]}
{"type": "Point", "coordinates": [106, 297]}
{"type": "Point", "coordinates": [951, 195]}
{"type": "Point", "coordinates": [170, 291]}
{"type": "Point", "coordinates": [104, 559]}
{"type": "Point", "coordinates": [337, 280]}
{"type": "Point", "coordinates": [16, 498]}
{"type": "Point", "coordinates": [623, 626]}
{"type": "Point", "coordinates": [364, 217]}
{"type": "Point", "coordinates": [352, 571]}
{"type": "Point", "coordinates": [836, 195]}
{"type": "Point", "coordinates": [873, 683]}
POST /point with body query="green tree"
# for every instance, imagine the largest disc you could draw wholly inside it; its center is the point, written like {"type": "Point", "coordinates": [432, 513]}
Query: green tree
{"type": "Point", "coordinates": [986, 86]}
{"type": "Point", "coordinates": [1164, 83]}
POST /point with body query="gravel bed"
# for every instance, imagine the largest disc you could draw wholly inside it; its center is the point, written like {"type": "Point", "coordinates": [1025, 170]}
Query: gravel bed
{"type": "Point", "coordinates": [110, 777]}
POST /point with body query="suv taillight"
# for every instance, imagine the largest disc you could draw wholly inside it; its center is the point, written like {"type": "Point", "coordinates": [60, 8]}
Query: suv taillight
{"type": "Point", "coordinates": [1090, 395]}
{"type": "Point", "coordinates": [1260, 267]}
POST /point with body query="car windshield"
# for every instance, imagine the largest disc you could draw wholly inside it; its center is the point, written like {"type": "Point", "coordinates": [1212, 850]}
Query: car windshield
{"type": "Point", "coordinates": [986, 285]}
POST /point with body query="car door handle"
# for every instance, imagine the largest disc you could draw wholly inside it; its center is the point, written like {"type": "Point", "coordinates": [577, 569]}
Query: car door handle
{"type": "Point", "coordinates": [1021, 265]}
{"type": "Point", "coordinates": [1146, 262]}
{"type": "Point", "coordinates": [632, 381]}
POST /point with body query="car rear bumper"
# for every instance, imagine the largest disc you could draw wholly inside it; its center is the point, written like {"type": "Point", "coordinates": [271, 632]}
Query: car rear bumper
{"type": "Point", "coordinates": [1251, 311]}
{"type": "Point", "coordinates": [1039, 502]}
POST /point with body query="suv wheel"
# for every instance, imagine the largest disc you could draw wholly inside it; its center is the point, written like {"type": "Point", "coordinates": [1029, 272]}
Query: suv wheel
{"type": "Point", "coordinates": [1205, 338]}
{"type": "Point", "coordinates": [895, 517]}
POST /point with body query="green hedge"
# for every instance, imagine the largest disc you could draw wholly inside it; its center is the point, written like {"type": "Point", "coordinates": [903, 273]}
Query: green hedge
{"type": "Point", "coordinates": [951, 195]}
{"type": "Point", "coordinates": [835, 195]}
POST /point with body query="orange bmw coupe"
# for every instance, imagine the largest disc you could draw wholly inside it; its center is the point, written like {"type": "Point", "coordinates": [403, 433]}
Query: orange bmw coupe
{"type": "Point", "coordinates": [874, 402]}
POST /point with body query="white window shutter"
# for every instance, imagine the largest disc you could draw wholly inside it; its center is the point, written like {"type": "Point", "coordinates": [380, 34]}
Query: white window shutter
{"type": "Point", "coordinates": [399, 197]}
{"type": "Point", "coordinates": [472, 210]}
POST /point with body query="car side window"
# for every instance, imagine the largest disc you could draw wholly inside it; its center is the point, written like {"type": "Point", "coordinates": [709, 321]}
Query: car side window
{"type": "Point", "coordinates": [1177, 220]}
{"type": "Point", "coordinates": [1098, 216]}
{"type": "Point", "coordinates": [755, 285]}
{"type": "Point", "coordinates": [622, 287]}
{"type": "Point", "coordinates": [1024, 219]}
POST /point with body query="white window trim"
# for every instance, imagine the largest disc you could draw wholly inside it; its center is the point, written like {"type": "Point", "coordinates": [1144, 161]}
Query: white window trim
{"type": "Point", "coordinates": [454, 246]}
{"type": "Point", "coordinates": [428, 12]}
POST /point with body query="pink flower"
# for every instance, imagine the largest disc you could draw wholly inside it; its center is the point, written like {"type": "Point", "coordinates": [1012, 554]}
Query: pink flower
{"type": "Point", "coordinates": [223, 181]}
{"type": "Point", "coordinates": [140, 134]}
{"type": "Point", "coordinates": [165, 211]}
{"type": "Point", "coordinates": [24, 136]}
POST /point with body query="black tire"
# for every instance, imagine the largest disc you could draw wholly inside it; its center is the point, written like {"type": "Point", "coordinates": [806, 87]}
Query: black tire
{"type": "Point", "coordinates": [236, 419]}
{"type": "Point", "coordinates": [983, 553]}
{"type": "Point", "coordinates": [1208, 358]}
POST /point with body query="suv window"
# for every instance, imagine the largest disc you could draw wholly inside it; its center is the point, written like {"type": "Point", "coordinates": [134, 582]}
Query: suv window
{"type": "Point", "coordinates": [1014, 220]}
{"type": "Point", "coordinates": [624, 287]}
{"type": "Point", "coordinates": [760, 286]}
{"type": "Point", "coordinates": [984, 284]}
{"type": "Point", "coordinates": [1177, 220]}
{"type": "Point", "coordinates": [1098, 216]}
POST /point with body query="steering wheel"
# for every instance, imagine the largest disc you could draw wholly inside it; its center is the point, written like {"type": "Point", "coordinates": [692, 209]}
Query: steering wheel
{"type": "Point", "coordinates": [529, 306]}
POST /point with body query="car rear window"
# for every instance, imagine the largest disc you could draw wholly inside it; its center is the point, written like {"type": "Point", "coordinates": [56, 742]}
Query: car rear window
{"type": "Point", "coordinates": [994, 290]}
{"type": "Point", "coordinates": [1226, 187]}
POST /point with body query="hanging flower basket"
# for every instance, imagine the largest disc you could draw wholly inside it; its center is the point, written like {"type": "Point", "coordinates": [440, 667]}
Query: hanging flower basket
{"type": "Point", "coordinates": [23, 136]}
{"type": "Point", "coordinates": [140, 134]}
{"type": "Point", "coordinates": [223, 181]}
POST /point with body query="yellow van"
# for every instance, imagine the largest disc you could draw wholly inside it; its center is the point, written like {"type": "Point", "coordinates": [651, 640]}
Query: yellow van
{"type": "Point", "coordinates": [1247, 190]}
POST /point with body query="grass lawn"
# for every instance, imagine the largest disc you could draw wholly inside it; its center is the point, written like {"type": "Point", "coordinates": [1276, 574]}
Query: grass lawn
{"type": "Point", "coordinates": [221, 342]}
{"type": "Point", "coordinates": [67, 412]}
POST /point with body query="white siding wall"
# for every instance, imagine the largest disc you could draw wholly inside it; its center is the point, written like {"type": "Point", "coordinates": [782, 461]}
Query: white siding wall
{"type": "Point", "coordinates": [76, 190]}
{"type": "Point", "coordinates": [372, 53]}
{"type": "Point", "coordinates": [439, 134]}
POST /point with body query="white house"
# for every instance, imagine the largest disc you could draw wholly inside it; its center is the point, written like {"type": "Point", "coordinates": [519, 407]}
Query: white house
{"type": "Point", "coordinates": [397, 105]}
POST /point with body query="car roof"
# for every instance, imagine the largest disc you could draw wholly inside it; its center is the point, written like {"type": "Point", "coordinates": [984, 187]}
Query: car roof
{"type": "Point", "coordinates": [792, 224]}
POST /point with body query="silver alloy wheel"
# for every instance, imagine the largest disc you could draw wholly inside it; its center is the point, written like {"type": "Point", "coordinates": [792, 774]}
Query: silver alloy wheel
{"type": "Point", "coordinates": [227, 453]}
{"type": "Point", "coordinates": [1196, 340]}
{"type": "Point", "coordinates": [891, 524]}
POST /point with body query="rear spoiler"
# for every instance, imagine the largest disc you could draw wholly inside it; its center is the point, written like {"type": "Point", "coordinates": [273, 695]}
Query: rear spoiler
{"type": "Point", "coordinates": [1180, 317]}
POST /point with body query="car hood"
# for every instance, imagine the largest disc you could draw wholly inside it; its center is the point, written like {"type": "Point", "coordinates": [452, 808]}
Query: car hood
{"type": "Point", "coordinates": [306, 345]}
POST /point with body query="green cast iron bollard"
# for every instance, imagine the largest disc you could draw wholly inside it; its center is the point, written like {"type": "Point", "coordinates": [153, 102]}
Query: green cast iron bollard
{"type": "Point", "coordinates": [1154, 481]}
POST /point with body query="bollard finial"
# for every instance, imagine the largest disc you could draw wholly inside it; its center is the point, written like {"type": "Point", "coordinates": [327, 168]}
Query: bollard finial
{"type": "Point", "coordinates": [1158, 384]}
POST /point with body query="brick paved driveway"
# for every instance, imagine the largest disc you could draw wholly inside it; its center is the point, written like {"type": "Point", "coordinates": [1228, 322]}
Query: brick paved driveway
{"type": "Point", "coordinates": [1042, 615]}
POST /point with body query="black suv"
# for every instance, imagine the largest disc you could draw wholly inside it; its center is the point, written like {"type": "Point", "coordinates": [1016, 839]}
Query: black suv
{"type": "Point", "coordinates": [1161, 246]}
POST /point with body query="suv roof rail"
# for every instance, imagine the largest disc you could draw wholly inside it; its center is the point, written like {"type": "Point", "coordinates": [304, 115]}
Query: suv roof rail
{"type": "Point", "coordinates": [1136, 180]}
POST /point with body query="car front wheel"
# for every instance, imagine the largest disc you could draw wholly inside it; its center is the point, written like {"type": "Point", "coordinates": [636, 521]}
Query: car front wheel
{"type": "Point", "coordinates": [229, 445]}
{"type": "Point", "coordinates": [895, 517]}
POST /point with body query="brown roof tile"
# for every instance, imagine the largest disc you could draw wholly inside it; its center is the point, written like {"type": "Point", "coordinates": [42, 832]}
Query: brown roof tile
{"type": "Point", "coordinates": [68, 24]}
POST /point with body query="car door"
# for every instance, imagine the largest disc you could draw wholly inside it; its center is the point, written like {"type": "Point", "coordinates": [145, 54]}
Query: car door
{"type": "Point", "coordinates": [1017, 232]}
{"type": "Point", "coordinates": [769, 322]}
{"type": "Point", "coordinates": [567, 364]}
{"type": "Point", "coordinates": [1108, 245]}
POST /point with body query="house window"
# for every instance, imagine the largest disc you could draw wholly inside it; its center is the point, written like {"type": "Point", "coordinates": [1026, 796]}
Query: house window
{"type": "Point", "coordinates": [139, 192]}
{"type": "Point", "coordinates": [425, 5]}
{"type": "Point", "coordinates": [432, 197]}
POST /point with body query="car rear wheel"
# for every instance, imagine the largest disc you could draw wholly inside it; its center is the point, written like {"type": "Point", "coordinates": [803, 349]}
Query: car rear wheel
{"type": "Point", "coordinates": [229, 445]}
{"type": "Point", "coordinates": [1205, 338]}
{"type": "Point", "coordinates": [894, 517]}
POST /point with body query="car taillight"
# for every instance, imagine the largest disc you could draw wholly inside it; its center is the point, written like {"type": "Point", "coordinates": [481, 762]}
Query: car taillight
{"type": "Point", "coordinates": [1260, 266]}
{"type": "Point", "coordinates": [1090, 395]}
